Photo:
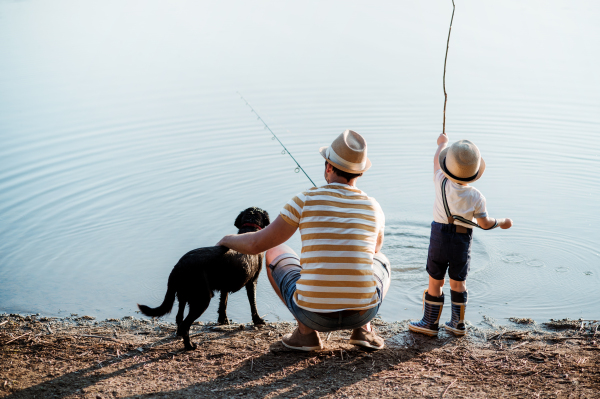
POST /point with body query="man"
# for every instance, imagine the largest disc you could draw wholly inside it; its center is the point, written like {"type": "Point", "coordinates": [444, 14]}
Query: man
{"type": "Point", "coordinates": [341, 277]}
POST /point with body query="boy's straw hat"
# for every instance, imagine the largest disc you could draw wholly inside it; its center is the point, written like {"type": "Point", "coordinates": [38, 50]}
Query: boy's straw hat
{"type": "Point", "coordinates": [348, 153]}
{"type": "Point", "coordinates": [462, 162]}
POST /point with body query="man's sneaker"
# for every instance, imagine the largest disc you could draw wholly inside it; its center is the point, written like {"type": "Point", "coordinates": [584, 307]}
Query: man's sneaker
{"type": "Point", "coordinates": [366, 339]}
{"type": "Point", "coordinates": [302, 342]}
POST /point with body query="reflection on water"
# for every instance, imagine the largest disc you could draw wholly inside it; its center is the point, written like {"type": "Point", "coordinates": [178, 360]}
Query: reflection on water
{"type": "Point", "coordinates": [125, 145]}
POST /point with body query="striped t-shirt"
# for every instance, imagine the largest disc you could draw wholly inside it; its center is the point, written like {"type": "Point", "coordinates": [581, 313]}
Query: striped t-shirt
{"type": "Point", "coordinates": [339, 226]}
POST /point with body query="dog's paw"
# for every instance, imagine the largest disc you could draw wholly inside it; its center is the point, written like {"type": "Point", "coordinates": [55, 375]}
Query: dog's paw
{"type": "Point", "coordinates": [258, 321]}
{"type": "Point", "coordinates": [223, 322]}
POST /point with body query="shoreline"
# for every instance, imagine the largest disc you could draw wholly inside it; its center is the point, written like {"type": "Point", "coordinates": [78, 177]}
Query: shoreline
{"type": "Point", "coordinates": [80, 357]}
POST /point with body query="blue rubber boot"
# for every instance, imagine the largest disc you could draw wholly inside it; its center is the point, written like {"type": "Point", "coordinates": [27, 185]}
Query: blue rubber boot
{"type": "Point", "coordinates": [456, 325]}
{"type": "Point", "coordinates": [432, 309]}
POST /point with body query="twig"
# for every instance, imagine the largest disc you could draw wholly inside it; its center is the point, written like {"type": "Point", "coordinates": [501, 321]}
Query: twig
{"type": "Point", "coordinates": [516, 346]}
{"type": "Point", "coordinates": [452, 383]}
{"type": "Point", "coordinates": [20, 336]}
{"type": "Point", "coordinates": [101, 337]}
{"type": "Point", "coordinates": [239, 361]}
{"type": "Point", "coordinates": [4, 322]}
{"type": "Point", "coordinates": [445, 59]}
{"type": "Point", "coordinates": [387, 377]}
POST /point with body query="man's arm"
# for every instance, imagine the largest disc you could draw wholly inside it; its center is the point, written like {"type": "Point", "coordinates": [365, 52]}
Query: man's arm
{"type": "Point", "coordinates": [442, 141]}
{"type": "Point", "coordinates": [488, 222]}
{"type": "Point", "coordinates": [274, 234]}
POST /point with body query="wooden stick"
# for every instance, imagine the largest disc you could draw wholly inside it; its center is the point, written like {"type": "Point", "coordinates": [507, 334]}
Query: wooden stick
{"type": "Point", "coordinates": [516, 346]}
{"type": "Point", "coordinates": [101, 337]}
{"type": "Point", "coordinates": [445, 59]}
{"type": "Point", "coordinates": [452, 383]}
{"type": "Point", "coordinates": [4, 322]}
{"type": "Point", "coordinates": [20, 336]}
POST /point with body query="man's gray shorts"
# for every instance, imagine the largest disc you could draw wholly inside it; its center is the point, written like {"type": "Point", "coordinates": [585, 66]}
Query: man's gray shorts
{"type": "Point", "coordinates": [285, 270]}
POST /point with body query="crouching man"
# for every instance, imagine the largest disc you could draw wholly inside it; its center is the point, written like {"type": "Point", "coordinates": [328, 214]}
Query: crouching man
{"type": "Point", "coordinates": [341, 277]}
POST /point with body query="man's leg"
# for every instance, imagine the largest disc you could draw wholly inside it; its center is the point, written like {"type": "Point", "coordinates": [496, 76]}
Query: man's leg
{"type": "Point", "coordinates": [382, 270]}
{"type": "Point", "coordinates": [384, 276]}
{"type": "Point", "coordinates": [269, 257]}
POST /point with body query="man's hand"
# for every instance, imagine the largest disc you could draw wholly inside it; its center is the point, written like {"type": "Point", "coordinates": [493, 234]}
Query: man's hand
{"type": "Point", "coordinates": [223, 241]}
{"type": "Point", "coordinates": [274, 234]}
{"type": "Point", "coordinates": [442, 139]}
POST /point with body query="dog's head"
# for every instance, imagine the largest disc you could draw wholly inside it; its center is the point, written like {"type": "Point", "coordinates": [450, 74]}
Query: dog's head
{"type": "Point", "coordinates": [252, 217]}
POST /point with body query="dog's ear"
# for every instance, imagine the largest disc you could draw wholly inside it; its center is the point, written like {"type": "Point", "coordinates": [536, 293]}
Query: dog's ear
{"type": "Point", "coordinates": [238, 220]}
{"type": "Point", "coordinates": [266, 219]}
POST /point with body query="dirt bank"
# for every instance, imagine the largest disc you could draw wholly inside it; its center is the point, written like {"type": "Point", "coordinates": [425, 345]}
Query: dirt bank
{"type": "Point", "coordinates": [79, 357]}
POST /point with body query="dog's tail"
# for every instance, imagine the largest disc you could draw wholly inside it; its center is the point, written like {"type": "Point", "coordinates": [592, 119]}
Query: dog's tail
{"type": "Point", "coordinates": [164, 308]}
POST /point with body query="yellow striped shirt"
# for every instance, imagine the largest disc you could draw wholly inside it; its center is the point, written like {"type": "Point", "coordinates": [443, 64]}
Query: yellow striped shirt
{"type": "Point", "coordinates": [339, 226]}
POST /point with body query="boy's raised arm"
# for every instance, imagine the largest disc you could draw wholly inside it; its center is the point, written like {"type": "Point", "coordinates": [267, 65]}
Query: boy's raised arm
{"type": "Point", "coordinates": [442, 141]}
{"type": "Point", "coordinates": [488, 222]}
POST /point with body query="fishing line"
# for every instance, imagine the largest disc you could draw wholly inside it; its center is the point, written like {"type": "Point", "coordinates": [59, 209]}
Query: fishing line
{"type": "Point", "coordinates": [285, 150]}
{"type": "Point", "coordinates": [445, 59]}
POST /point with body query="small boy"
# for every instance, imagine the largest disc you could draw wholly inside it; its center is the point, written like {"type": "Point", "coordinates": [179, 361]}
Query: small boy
{"type": "Point", "coordinates": [456, 204]}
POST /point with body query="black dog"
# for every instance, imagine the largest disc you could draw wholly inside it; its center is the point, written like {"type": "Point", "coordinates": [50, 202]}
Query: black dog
{"type": "Point", "coordinates": [204, 270]}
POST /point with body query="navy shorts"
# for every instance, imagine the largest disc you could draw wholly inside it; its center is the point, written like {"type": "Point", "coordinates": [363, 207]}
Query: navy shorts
{"type": "Point", "coordinates": [285, 270]}
{"type": "Point", "coordinates": [449, 250]}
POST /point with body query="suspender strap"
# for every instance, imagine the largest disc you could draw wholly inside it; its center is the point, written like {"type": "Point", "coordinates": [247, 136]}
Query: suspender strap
{"type": "Point", "coordinates": [452, 217]}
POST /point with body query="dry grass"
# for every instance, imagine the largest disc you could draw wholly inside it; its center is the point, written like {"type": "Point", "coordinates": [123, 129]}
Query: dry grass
{"type": "Point", "coordinates": [81, 358]}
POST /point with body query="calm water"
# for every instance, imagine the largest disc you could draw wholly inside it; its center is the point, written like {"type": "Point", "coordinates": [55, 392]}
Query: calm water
{"type": "Point", "coordinates": [124, 143]}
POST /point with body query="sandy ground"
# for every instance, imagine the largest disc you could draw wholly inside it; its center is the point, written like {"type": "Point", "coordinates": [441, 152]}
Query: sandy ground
{"type": "Point", "coordinates": [79, 357]}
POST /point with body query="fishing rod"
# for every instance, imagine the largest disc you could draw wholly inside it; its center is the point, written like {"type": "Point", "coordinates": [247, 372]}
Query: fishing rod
{"type": "Point", "coordinates": [285, 150]}
{"type": "Point", "coordinates": [445, 59]}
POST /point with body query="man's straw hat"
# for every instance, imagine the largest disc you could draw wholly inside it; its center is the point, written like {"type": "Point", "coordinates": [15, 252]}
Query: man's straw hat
{"type": "Point", "coordinates": [462, 162]}
{"type": "Point", "coordinates": [348, 153]}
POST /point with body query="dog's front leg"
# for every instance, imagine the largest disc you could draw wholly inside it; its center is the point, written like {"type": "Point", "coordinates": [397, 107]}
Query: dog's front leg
{"type": "Point", "coordinates": [251, 291]}
{"type": "Point", "coordinates": [223, 308]}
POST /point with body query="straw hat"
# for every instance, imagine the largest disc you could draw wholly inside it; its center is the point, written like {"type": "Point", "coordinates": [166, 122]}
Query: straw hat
{"type": "Point", "coordinates": [462, 162]}
{"type": "Point", "coordinates": [348, 152]}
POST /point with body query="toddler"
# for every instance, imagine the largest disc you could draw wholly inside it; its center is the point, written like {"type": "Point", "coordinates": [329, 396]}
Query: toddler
{"type": "Point", "coordinates": [456, 205]}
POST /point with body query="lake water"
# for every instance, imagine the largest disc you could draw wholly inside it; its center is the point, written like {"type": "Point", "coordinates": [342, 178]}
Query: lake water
{"type": "Point", "coordinates": [124, 143]}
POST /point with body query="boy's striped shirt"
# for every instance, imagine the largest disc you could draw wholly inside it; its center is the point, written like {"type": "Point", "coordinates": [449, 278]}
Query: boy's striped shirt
{"type": "Point", "coordinates": [339, 226]}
